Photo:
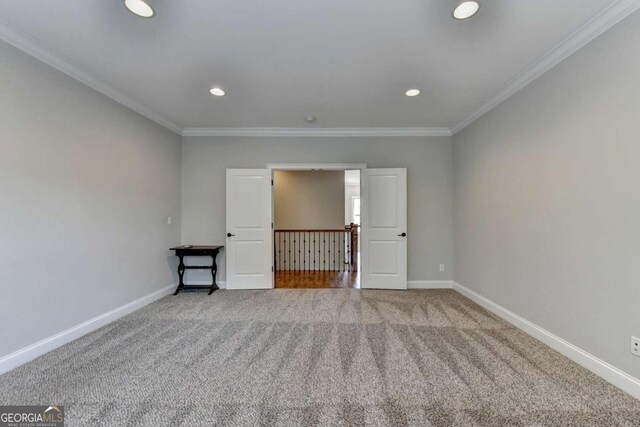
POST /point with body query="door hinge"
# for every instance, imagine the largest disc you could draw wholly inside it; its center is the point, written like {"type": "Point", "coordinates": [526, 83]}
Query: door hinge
{"type": "Point", "coordinates": [272, 226]}
{"type": "Point", "coordinates": [272, 269]}
{"type": "Point", "coordinates": [271, 182]}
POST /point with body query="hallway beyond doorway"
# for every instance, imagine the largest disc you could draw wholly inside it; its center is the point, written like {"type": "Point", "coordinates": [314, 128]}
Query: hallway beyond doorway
{"type": "Point", "coordinates": [315, 237]}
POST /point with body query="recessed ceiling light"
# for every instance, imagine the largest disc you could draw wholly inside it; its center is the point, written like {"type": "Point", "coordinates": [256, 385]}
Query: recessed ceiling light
{"type": "Point", "coordinates": [413, 92]}
{"type": "Point", "coordinates": [140, 8]}
{"type": "Point", "coordinates": [310, 119]}
{"type": "Point", "coordinates": [466, 10]}
{"type": "Point", "coordinates": [216, 91]}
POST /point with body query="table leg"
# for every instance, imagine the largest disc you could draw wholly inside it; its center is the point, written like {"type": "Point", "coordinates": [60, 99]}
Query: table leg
{"type": "Point", "coordinates": [180, 275]}
{"type": "Point", "coordinates": [214, 271]}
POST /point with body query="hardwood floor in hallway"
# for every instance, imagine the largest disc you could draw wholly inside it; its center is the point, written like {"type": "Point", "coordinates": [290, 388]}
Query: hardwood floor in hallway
{"type": "Point", "coordinates": [317, 279]}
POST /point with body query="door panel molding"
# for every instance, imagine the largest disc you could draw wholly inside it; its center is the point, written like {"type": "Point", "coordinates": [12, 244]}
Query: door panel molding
{"type": "Point", "coordinates": [383, 199]}
{"type": "Point", "coordinates": [249, 234]}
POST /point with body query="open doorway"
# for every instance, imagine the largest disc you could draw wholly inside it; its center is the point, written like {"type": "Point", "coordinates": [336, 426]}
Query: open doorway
{"type": "Point", "coordinates": [316, 221]}
{"type": "Point", "coordinates": [252, 250]}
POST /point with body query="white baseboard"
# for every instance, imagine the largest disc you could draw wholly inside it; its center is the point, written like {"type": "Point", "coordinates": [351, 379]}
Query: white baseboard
{"type": "Point", "coordinates": [411, 284]}
{"type": "Point", "coordinates": [599, 367]}
{"type": "Point", "coordinates": [429, 284]}
{"type": "Point", "coordinates": [33, 351]}
{"type": "Point", "coordinates": [221, 283]}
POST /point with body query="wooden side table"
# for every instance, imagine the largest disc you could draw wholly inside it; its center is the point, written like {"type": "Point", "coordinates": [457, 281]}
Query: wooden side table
{"type": "Point", "coordinates": [197, 251]}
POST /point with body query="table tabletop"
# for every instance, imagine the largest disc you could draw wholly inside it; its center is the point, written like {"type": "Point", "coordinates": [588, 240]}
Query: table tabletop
{"type": "Point", "coordinates": [193, 247]}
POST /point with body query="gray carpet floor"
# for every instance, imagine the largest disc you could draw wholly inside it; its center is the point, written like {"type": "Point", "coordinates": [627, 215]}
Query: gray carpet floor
{"type": "Point", "coordinates": [316, 357]}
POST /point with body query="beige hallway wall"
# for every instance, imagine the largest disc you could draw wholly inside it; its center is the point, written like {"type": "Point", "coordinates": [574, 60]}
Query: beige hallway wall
{"type": "Point", "coordinates": [308, 199]}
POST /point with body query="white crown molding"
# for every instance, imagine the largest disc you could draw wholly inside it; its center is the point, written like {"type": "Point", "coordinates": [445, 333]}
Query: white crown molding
{"type": "Point", "coordinates": [610, 16]}
{"type": "Point", "coordinates": [316, 132]}
{"type": "Point", "coordinates": [58, 62]}
{"type": "Point", "coordinates": [610, 373]}
{"type": "Point", "coordinates": [579, 38]}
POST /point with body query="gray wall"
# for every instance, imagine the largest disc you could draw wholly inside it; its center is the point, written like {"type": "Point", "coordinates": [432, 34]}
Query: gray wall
{"type": "Point", "coordinates": [547, 199]}
{"type": "Point", "coordinates": [429, 168]}
{"type": "Point", "coordinates": [308, 199]}
{"type": "Point", "coordinates": [86, 186]}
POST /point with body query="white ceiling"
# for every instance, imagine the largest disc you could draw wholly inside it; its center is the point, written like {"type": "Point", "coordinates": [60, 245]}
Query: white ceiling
{"type": "Point", "coordinates": [348, 63]}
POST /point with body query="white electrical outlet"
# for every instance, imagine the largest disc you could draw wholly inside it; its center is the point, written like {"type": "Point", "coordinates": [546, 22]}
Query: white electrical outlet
{"type": "Point", "coordinates": [169, 220]}
{"type": "Point", "coordinates": [441, 267]}
{"type": "Point", "coordinates": [635, 346]}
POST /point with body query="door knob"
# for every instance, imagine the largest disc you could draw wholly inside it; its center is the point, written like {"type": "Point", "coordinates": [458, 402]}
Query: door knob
{"type": "Point", "coordinates": [402, 235]}
{"type": "Point", "coordinates": [229, 234]}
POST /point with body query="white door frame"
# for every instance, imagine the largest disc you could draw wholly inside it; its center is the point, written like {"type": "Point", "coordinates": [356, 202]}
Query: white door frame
{"type": "Point", "coordinates": [310, 167]}
{"type": "Point", "coordinates": [316, 166]}
{"type": "Point", "coordinates": [352, 201]}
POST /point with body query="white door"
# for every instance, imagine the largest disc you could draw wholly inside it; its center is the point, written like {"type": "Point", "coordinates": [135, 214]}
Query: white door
{"type": "Point", "coordinates": [248, 249]}
{"type": "Point", "coordinates": [384, 228]}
